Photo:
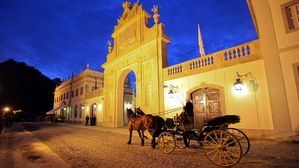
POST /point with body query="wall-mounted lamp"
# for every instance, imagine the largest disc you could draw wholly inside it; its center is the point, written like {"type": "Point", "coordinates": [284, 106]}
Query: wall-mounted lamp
{"type": "Point", "coordinates": [171, 89]}
{"type": "Point", "coordinates": [239, 88]}
{"type": "Point", "coordinates": [238, 85]}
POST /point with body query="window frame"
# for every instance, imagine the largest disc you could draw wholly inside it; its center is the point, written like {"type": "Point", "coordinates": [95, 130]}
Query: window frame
{"type": "Point", "coordinates": [285, 18]}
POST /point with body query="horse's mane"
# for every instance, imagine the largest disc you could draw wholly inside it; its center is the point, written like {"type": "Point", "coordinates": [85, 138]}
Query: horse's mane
{"type": "Point", "coordinates": [139, 111]}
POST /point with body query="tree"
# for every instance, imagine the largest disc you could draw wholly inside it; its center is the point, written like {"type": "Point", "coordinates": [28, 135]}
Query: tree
{"type": "Point", "coordinates": [24, 87]}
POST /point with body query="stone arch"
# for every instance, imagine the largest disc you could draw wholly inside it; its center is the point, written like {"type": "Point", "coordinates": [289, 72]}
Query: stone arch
{"type": "Point", "coordinates": [143, 50]}
{"type": "Point", "coordinates": [208, 101]}
{"type": "Point", "coordinates": [120, 93]}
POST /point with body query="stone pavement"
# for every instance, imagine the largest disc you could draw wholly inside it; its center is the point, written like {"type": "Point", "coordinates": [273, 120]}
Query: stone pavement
{"type": "Point", "coordinates": [123, 131]}
{"type": "Point", "coordinates": [19, 149]}
{"type": "Point", "coordinates": [68, 145]}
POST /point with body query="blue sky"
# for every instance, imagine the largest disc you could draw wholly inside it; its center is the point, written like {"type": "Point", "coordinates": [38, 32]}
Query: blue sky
{"type": "Point", "coordinates": [59, 37]}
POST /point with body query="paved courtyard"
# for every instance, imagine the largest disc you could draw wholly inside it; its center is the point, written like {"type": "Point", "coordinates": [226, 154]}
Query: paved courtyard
{"type": "Point", "coordinates": [62, 145]}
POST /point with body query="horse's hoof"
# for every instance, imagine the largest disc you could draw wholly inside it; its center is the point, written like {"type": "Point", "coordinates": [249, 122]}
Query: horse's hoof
{"type": "Point", "coordinates": [129, 143]}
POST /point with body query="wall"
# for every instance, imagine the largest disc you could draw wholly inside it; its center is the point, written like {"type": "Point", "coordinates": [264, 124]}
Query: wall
{"type": "Point", "coordinates": [253, 107]}
{"type": "Point", "coordinates": [264, 20]}
{"type": "Point", "coordinates": [288, 48]}
{"type": "Point", "coordinates": [99, 109]}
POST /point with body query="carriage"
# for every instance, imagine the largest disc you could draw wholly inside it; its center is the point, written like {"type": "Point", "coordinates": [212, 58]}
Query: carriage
{"type": "Point", "coordinates": [222, 145]}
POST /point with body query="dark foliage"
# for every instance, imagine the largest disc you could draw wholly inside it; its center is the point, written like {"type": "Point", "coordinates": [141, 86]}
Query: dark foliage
{"type": "Point", "coordinates": [24, 87]}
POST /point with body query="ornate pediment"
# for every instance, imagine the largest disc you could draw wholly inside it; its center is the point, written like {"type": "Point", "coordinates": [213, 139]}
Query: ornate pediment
{"type": "Point", "coordinates": [129, 12]}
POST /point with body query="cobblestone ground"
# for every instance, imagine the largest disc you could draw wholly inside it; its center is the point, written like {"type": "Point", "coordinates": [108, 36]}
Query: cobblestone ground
{"type": "Point", "coordinates": [81, 147]}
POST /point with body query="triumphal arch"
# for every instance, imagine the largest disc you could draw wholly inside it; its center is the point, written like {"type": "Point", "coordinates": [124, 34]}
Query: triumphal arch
{"type": "Point", "coordinates": [141, 47]}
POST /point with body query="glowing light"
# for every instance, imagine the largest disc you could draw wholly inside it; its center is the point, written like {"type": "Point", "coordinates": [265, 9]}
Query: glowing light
{"type": "Point", "coordinates": [6, 109]}
{"type": "Point", "coordinates": [238, 84]}
{"type": "Point", "coordinates": [100, 107]}
{"type": "Point", "coordinates": [240, 90]}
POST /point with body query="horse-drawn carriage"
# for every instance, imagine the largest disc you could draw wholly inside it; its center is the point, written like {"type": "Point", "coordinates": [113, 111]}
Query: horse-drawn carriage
{"type": "Point", "coordinates": [222, 145]}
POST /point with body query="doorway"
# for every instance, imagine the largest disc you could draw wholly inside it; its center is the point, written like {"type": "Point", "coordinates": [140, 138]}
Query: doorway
{"type": "Point", "coordinates": [207, 104]}
{"type": "Point", "coordinates": [129, 95]}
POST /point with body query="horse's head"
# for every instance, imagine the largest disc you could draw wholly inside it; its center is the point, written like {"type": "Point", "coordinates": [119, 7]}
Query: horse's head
{"type": "Point", "coordinates": [139, 111]}
{"type": "Point", "coordinates": [130, 113]}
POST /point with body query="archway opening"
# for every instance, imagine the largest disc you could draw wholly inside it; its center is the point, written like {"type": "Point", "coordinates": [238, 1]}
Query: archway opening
{"type": "Point", "coordinates": [129, 95]}
{"type": "Point", "coordinates": [93, 114]}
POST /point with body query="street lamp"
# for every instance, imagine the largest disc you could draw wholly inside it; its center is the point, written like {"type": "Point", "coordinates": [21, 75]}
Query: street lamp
{"type": "Point", "coordinates": [6, 109]}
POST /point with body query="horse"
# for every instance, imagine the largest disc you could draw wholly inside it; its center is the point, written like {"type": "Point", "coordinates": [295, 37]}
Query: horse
{"type": "Point", "coordinates": [153, 123]}
{"type": "Point", "coordinates": [135, 123]}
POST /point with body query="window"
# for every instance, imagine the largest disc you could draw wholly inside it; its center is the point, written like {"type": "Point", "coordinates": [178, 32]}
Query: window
{"type": "Point", "coordinates": [72, 93]}
{"type": "Point", "coordinates": [86, 88]}
{"type": "Point", "coordinates": [63, 96]}
{"type": "Point", "coordinates": [77, 91]}
{"type": "Point", "coordinates": [290, 13]}
{"type": "Point", "coordinates": [67, 95]}
{"type": "Point", "coordinates": [81, 91]}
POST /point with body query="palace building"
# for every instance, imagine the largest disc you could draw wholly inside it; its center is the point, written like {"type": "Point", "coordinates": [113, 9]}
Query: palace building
{"type": "Point", "coordinates": [258, 80]}
{"type": "Point", "coordinates": [82, 95]}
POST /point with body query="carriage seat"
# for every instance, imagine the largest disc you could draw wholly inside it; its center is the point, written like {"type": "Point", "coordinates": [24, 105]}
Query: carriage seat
{"type": "Point", "coordinates": [223, 120]}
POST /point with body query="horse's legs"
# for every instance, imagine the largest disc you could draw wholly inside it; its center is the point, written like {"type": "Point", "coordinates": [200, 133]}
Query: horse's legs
{"type": "Point", "coordinates": [140, 133]}
{"type": "Point", "coordinates": [130, 136]}
{"type": "Point", "coordinates": [144, 137]}
{"type": "Point", "coordinates": [153, 132]}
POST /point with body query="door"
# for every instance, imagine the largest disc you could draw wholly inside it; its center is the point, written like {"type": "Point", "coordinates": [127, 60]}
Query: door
{"type": "Point", "coordinates": [206, 104]}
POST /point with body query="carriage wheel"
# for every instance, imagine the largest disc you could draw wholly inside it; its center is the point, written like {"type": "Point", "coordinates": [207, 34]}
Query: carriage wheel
{"type": "Point", "coordinates": [179, 140]}
{"type": "Point", "coordinates": [166, 142]}
{"type": "Point", "coordinates": [222, 148]}
{"type": "Point", "coordinates": [242, 138]}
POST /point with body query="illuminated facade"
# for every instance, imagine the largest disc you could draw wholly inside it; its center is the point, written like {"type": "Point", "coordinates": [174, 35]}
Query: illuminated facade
{"type": "Point", "coordinates": [71, 100]}
{"type": "Point", "coordinates": [257, 80]}
{"type": "Point", "coordinates": [82, 95]}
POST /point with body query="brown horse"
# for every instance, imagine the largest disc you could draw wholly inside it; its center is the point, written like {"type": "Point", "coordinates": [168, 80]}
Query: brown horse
{"type": "Point", "coordinates": [135, 122]}
{"type": "Point", "coordinates": [154, 124]}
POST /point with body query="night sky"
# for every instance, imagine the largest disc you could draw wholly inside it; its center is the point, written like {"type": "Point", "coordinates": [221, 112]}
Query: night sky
{"type": "Point", "coordinates": [59, 37]}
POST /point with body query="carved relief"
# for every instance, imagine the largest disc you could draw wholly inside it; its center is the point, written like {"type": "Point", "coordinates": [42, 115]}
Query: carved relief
{"type": "Point", "coordinates": [129, 12]}
{"type": "Point", "coordinates": [147, 69]}
{"type": "Point", "coordinates": [147, 94]}
{"type": "Point", "coordinates": [127, 37]}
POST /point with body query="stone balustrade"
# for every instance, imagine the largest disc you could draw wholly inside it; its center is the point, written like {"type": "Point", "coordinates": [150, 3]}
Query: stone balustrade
{"type": "Point", "coordinates": [242, 53]}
